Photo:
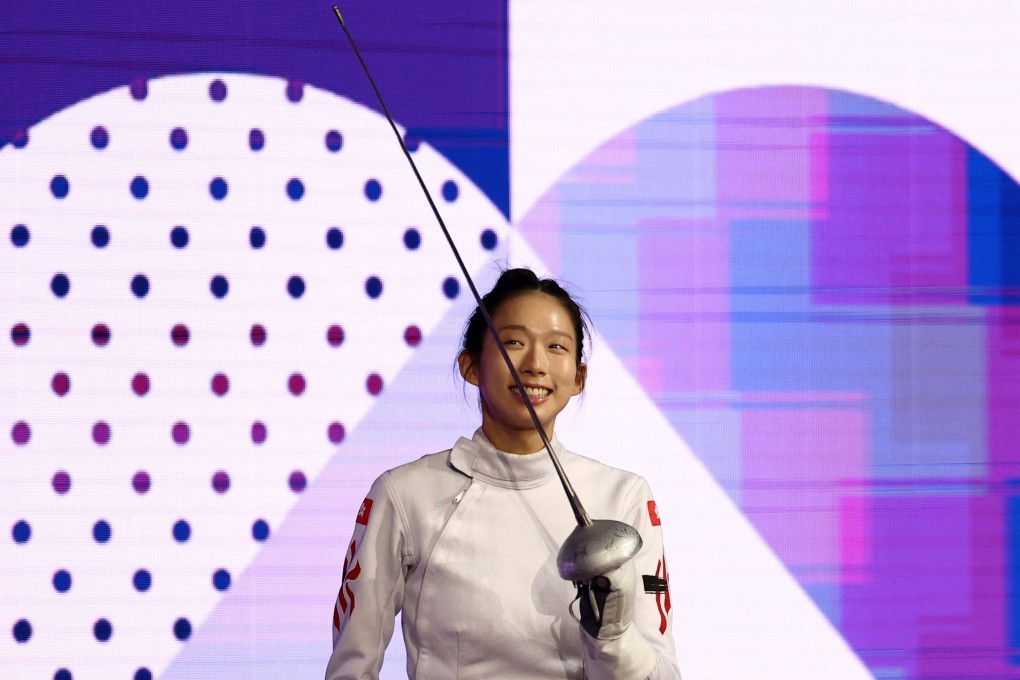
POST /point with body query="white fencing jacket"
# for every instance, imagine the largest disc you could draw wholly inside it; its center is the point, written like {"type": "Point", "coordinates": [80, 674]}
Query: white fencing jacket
{"type": "Point", "coordinates": [464, 543]}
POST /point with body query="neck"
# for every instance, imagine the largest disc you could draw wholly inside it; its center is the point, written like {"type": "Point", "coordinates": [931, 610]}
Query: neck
{"type": "Point", "coordinates": [521, 442]}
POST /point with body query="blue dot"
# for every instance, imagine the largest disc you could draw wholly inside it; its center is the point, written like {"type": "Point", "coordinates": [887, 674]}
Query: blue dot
{"type": "Point", "coordinates": [100, 236]}
{"type": "Point", "coordinates": [140, 285]}
{"type": "Point", "coordinates": [334, 238]}
{"type": "Point", "coordinates": [19, 236]}
{"type": "Point", "coordinates": [295, 189]}
{"type": "Point", "coordinates": [218, 188]}
{"type": "Point", "coordinates": [101, 531]}
{"type": "Point", "coordinates": [257, 237]}
{"type": "Point", "coordinates": [221, 579]}
{"type": "Point", "coordinates": [450, 287]}
{"type": "Point", "coordinates": [60, 285]}
{"type": "Point", "coordinates": [62, 674]}
{"type": "Point", "coordinates": [139, 187]}
{"type": "Point", "coordinates": [412, 239]}
{"type": "Point", "coordinates": [373, 286]}
{"type": "Point", "coordinates": [182, 629]}
{"type": "Point", "coordinates": [450, 191]}
{"type": "Point", "coordinates": [489, 239]}
{"type": "Point", "coordinates": [217, 90]}
{"type": "Point", "coordinates": [21, 532]}
{"type": "Point", "coordinates": [142, 580]}
{"type": "Point", "coordinates": [296, 287]}
{"type": "Point", "coordinates": [20, 140]}
{"type": "Point", "coordinates": [59, 186]}
{"type": "Point", "coordinates": [100, 138]}
{"type": "Point", "coordinates": [102, 630]}
{"type": "Point", "coordinates": [334, 140]}
{"type": "Point", "coordinates": [373, 190]}
{"type": "Point", "coordinates": [260, 530]}
{"type": "Point", "coordinates": [256, 140]}
{"type": "Point", "coordinates": [179, 237]}
{"type": "Point", "coordinates": [182, 531]}
{"type": "Point", "coordinates": [178, 138]}
{"type": "Point", "coordinates": [143, 674]}
{"type": "Point", "coordinates": [22, 630]}
{"type": "Point", "coordinates": [219, 286]}
{"type": "Point", "coordinates": [412, 141]}
{"type": "Point", "coordinates": [62, 581]}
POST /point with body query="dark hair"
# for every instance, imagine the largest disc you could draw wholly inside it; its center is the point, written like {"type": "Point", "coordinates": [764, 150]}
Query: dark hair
{"type": "Point", "coordinates": [515, 282]}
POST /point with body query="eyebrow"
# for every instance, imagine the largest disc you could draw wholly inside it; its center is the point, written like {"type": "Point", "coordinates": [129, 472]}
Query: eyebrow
{"type": "Point", "coordinates": [519, 327]}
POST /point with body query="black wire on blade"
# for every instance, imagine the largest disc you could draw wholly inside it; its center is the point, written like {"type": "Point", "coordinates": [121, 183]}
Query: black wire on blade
{"type": "Point", "coordinates": [575, 503]}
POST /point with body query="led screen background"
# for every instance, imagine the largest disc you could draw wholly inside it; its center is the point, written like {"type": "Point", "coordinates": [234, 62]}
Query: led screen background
{"type": "Point", "coordinates": [227, 310]}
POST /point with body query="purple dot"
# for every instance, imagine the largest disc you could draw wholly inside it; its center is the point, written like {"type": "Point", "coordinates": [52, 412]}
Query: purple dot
{"type": "Point", "coordinates": [295, 90]}
{"type": "Point", "coordinates": [141, 482]}
{"type": "Point", "coordinates": [412, 336]}
{"type": "Point", "coordinates": [139, 90]}
{"type": "Point", "coordinates": [61, 482]}
{"type": "Point", "coordinates": [101, 433]}
{"type": "Point", "coordinates": [334, 141]}
{"type": "Point", "coordinates": [100, 138]}
{"type": "Point", "coordinates": [180, 335]}
{"type": "Point", "coordinates": [258, 335]}
{"type": "Point", "coordinates": [20, 335]}
{"type": "Point", "coordinates": [19, 139]}
{"type": "Point", "coordinates": [335, 336]}
{"type": "Point", "coordinates": [220, 384]}
{"type": "Point", "coordinates": [61, 384]}
{"type": "Point", "coordinates": [181, 433]}
{"type": "Point", "coordinates": [21, 433]}
{"type": "Point", "coordinates": [101, 335]}
{"type": "Point", "coordinates": [178, 138]}
{"type": "Point", "coordinates": [221, 482]}
{"type": "Point", "coordinates": [335, 432]}
{"type": "Point", "coordinates": [296, 384]}
{"type": "Point", "coordinates": [259, 432]}
{"type": "Point", "coordinates": [140, 384]}
{"type": "Point", "coordinates": [217, 90]}
{"type": "Point", "coordinates": [374, 384]}
{"type": "Point", "coordinates": [256, 139]}
{"type": "Point", "coordinates": [297, 481]}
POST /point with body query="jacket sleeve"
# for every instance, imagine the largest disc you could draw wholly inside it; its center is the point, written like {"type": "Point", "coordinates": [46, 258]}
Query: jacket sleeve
{"type": "Point", "coordinates": [371, 586]}
{"type": "Point", "coordinates": [646, 648]}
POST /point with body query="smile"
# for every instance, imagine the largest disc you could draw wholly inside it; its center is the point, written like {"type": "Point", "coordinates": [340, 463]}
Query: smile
{"type": "Point", "coordinates": [532, 392]}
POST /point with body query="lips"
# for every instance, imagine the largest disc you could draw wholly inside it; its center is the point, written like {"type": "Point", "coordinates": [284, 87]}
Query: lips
{"type": "Point", "coordinates": [536, 394]}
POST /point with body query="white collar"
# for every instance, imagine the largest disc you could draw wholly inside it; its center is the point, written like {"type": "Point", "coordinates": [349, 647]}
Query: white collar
{"type": "Point", "coordinates": [478, 458]}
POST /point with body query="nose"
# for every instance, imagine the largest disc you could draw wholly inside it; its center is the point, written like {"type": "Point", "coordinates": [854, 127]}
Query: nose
{"type": "Point", "coordinates": [534, 361]}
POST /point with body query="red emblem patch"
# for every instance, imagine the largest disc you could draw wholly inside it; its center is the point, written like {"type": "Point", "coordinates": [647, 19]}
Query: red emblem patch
{"type": "Point", "coordinates": [653, 514]}
{"type": "Point", "coordinates": [364, 512]}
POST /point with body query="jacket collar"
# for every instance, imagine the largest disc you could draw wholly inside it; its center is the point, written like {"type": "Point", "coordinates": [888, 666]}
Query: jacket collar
{"type": "Point", "coordinates": [476, 457]}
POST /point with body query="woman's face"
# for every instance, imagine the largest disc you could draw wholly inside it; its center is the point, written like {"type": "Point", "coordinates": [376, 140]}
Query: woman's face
{"type": "Point", "coordinates": [539, 337]}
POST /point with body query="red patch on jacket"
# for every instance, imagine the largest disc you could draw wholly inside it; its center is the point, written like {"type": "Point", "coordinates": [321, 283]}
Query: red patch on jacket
{"type": "Point", "coordinates": [653, 514]}
{"type": "Point", "coordinates": [364, 511]}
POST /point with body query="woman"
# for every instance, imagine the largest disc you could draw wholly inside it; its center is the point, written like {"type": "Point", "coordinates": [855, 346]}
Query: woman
{"type": "Point", "coordinates": [464, 542]}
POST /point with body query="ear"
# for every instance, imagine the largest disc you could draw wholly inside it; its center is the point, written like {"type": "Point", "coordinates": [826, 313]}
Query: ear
{"type": "Point", "coordinates": [467, 368]}
{"type": "Point", "coordinates": [580, 378]}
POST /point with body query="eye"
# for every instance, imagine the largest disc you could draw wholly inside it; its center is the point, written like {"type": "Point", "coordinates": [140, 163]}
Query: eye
{"type": "Point", "coordinates": [511, 341]}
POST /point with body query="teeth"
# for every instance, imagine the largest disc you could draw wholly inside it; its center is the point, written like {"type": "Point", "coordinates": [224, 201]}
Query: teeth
{"type": "Point", "coordinates": [532, 391]}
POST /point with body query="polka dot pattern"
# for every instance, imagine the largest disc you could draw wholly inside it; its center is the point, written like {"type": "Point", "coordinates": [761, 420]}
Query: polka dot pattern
{"type": "Point", "coordinates": [160, 368]}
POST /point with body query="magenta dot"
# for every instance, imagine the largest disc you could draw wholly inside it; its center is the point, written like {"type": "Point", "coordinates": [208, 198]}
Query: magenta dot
{"type": "Point", "coordinates": [101, 335]}
{"type": "Point", "coordinates": [335, 432]}
{"type": "Point", "coordinates": [61, 384]}
{"type": "Point", "coordinates": [101, 433]}
{"type": "Point", "coordinates": [258, 335]}
{"type": "Point", "coordinates": [140, 384]}
{"type": "Point", "coordinates": [21, 433]}
{"type": "Point", "coordinates": [20, 335]}
{"type": "Point", "coordinates": [221, 482]}
{"type": "Point", "coordinates": [297, 481]}
{"type": "Point", "coordinates": [180, 335]}
{"type": "Point", "coordinates": [335, 336]}
{"type": "Point", "coordinates": [61, 482]}
{"type": "Point", "coordinates": [412, 336]}
{"type": "Point", "coordinates": [141, 481]}
{"type": "Point", "coordinates": [374, 384]}
{"type": "Point", "coordinates": [259, 432]}
{"type": "Point", "coordinates": [220, 384]}
{"type": "Point", "coordinates": [181, 433]}
{"type": "Point", "coordinates": [296, 384]}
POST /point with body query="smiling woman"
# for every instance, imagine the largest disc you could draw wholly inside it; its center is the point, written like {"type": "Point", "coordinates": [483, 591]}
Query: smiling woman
{"type": "Point", "coordinates": [463, 542]}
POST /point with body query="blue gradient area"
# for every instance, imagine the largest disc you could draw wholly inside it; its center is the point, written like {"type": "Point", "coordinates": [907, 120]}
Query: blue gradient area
{"type": "Point", "coordinates": [993, 233]}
